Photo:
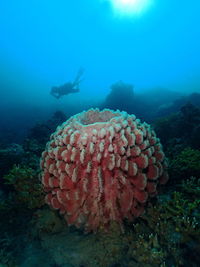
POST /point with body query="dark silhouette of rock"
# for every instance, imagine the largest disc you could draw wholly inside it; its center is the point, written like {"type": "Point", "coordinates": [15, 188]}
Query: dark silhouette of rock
{"type": "Point", "coordinates": [121, 97]}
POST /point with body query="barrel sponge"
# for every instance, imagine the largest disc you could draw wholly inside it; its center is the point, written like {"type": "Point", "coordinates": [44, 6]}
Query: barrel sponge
{"type": "Point", "coordinates": [102, 166]}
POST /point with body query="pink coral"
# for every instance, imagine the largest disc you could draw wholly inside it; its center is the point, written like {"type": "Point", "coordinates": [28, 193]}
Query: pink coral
{"type": "Point", "coordinates": [102, 166]}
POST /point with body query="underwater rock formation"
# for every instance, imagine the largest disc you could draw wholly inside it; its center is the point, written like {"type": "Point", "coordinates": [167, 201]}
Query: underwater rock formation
{"type": "Point", "coordinates": [178, 103]}
{"type": "Point", "coordinates": [182, 127]}
{"type": "Point", "coordinates": [102, 166]}
{"type": "Point", "coordinates": [121, 97]}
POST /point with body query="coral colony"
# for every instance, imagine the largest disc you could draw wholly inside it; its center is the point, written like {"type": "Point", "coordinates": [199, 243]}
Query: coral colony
{"type": "Point", "coordinates": [102, 166]}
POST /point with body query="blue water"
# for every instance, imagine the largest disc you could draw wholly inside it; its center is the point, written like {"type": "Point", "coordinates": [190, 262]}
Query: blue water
{"type": "Point", "coordinates": [43, 43]}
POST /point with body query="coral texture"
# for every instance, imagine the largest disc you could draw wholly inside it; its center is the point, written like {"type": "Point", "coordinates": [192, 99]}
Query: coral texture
{"type": "Point", "coordinates": [102, 166]}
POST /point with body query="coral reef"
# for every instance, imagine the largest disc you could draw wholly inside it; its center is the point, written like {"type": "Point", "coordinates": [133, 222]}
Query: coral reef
{"type": "Point", "coordinates": [191, 187]}
{"type": "Point", "coordinates": [166, 234]}
{"type": "Point", "coordinates": [147, 250]}
{"type": "Point", "coordinates": [169, 229]}
{"type": "Point", "coordinates": [7, 257]}
{"type": "Point", "coordinates": [46, 221]}
{"type": "Point", "coordinates": [185, 164]}
{"type": "Point", "coordinates": [183, 126]}
{"type": "Point", "coordinates": [102, 166]}
{"type": "Point", "coordinates": [75, 249]}
{"type": "Point", "coordinates": [28, 190]}
{"type": "Point", "coordinates": [9, 156]}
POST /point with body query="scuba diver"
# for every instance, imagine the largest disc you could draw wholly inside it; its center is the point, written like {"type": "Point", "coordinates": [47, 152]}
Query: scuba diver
{"type": "Point", "coordinates": [67, 88]}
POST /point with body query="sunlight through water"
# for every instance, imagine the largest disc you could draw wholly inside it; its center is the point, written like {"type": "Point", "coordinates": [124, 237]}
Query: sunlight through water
{"type": "Point", "coordinates": [130, 7]}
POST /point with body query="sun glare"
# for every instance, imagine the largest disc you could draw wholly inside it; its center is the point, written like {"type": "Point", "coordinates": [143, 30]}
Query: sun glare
{"type": "Point", "coordinates": [130, 7]}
